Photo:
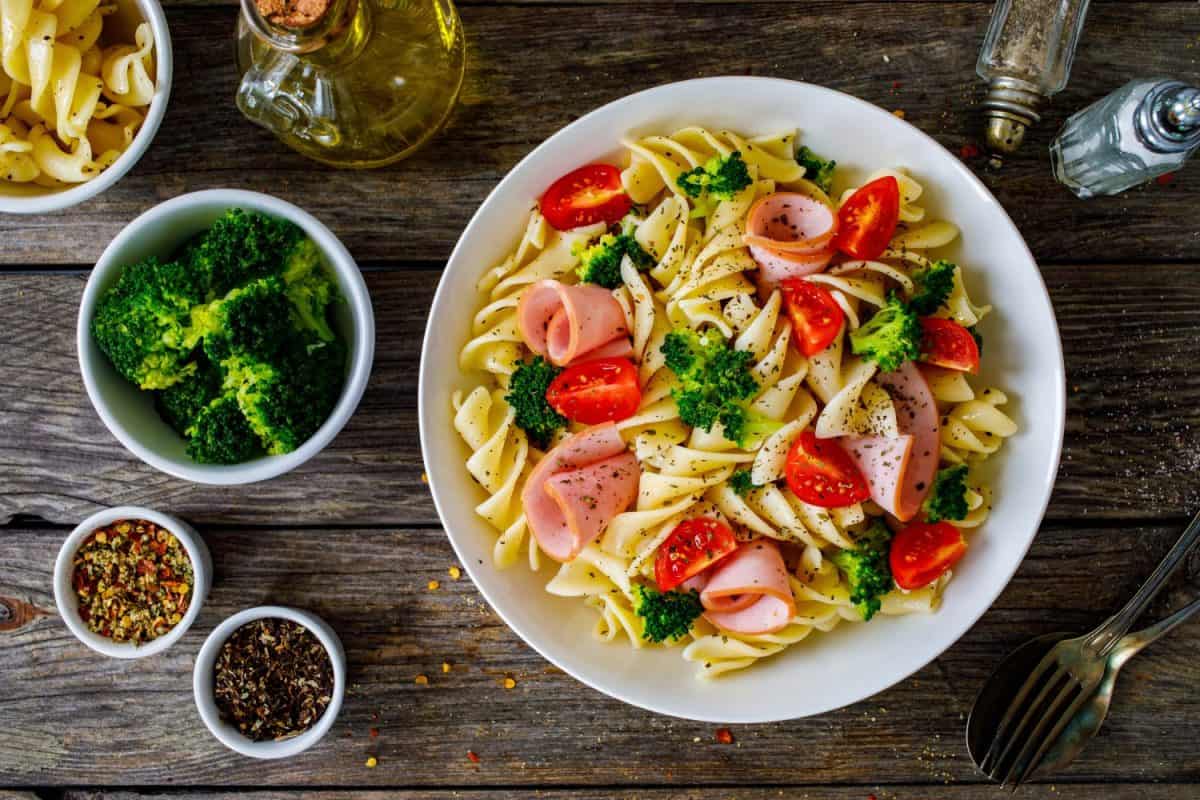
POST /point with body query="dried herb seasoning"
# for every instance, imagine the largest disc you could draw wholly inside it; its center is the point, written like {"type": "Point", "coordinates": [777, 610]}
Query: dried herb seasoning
{"type": "Point", "coordinates": [133, 580]}
{"type": "Point", "coordinates": [273, 679]}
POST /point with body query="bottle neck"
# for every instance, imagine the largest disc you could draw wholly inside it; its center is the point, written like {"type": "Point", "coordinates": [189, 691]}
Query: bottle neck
{"type": "Point", "coordinates": [332, 33]}
{"type": "Point", "coordinates": [1168, 118]}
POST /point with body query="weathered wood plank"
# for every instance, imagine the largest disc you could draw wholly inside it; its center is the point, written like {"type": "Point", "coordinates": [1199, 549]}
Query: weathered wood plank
{"type": "Point", "coordinates": [1133, 420]}
{"type": "Point", "coordinates": [75, 718]}
{"type": "Point", "coordinates": [415, 210]}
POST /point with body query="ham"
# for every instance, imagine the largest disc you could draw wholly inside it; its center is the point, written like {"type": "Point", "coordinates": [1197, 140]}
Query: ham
{"type": "Point", "coordinates": [900, 471]}
{"type": "Point", "coordinates": [790, 235]}
{"type": "Point", "coordinates": [577, 488]}
{"type": "Point", "coordinates": [569, 323]}
{"type": "Point", "coordinates": [749, 591]}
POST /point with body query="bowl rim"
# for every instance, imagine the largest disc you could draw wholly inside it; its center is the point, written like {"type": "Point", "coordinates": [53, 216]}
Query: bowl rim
{"type": "Point", "coordinates": [612, 689]}
{"type": "Point", "coordinates": [357, 298]}
{"type": "Point", "coordinates": [202, 683]}
{"type": "Point", "coordinates": [164, 64]}
{"type": "Point", "coordinates": [68, 605]}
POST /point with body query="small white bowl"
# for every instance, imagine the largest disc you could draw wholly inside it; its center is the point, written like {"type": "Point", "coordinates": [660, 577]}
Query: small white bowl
{"type": "Point", "coordinates": [231, 737]}
{"type": "Point", "coordinates": [68, 603]}
{"type": "Point", "coordinates": [28, 199]}
{"type": "Point", "coordinates": [128, 412]}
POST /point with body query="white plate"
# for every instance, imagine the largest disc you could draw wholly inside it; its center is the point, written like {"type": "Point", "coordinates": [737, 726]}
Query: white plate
{"type": "Point", "coordinates": [1023, 357]}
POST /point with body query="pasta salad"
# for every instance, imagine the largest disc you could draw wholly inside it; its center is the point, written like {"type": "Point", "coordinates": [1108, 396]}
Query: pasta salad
{"type": "Point", "coordinates": [731, 404]}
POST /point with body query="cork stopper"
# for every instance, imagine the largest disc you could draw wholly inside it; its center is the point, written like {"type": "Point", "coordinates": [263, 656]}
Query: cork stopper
{"type": "Point", "coordinates": [293, 13]}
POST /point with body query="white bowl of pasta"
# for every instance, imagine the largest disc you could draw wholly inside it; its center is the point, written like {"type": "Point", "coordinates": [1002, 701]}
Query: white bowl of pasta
{"type": "Point", "coordinates": [77, 112]}
{"type": "Point", "coordinates": [736, 358]}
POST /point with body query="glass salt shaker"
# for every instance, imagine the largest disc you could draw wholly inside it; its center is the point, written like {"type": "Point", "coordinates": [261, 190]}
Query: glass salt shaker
{"type": "Point", "coordinates": [1026, 59]}
{"type": "Point", "coordinates": [1142, 130]}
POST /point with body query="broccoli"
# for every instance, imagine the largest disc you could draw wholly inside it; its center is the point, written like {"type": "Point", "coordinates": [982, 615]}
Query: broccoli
{"type": "Point", "coordinates": [310, 288]}
{"type": "Point", "coordinates": [714, 384]}
{"type": "Point", "coordinates": [181, 403]}
{"type": "Point", "coordinates": [601, 262]}
{"type": "Point", "coordinates": [239, 247]}
{"type": "Point", "coordinates": [889, 338]}
{"type": "Point", "coordinates": [144, 323]}
{"type": "Point", "coordinates": [253, 321]}
{"type": "Point", "coordinates": [866, 568]}
{"type": "Point", "coordinates": [933, 286]}
{"type": "Point", "coordinates": [742, 483]}
{"type": "Point", "coordinates": [667, 615]}
{"type": "Point", "coordinates": [816, 169]}
{"type": "Point", "coordinates": [977, 336]}
{"type": "Point", "coordinates": [221, 435]}
{"type": "Point", "coordinates": [948, 497]}
{"type": "Point", "coordinates": [720, 178]}
{"type": "Point", "coordinates": [527, 396]}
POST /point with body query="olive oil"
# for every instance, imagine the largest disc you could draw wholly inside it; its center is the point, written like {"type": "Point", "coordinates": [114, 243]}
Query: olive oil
{"type": "Point", "coordinates": [351, 83]}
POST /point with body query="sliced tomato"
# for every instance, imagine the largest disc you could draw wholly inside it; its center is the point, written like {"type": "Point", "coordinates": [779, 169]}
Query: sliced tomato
{"type": "Point", "coordinates": [596, 391]}
{"type": "Point", "coordinates": [945, 343]}
{"type": "Point", "coordinates": [922, 552]}
{"type": "Point", "coordinates": [694, 546]}
{"type": "Point", "coordinates": [867, 220]}
{"type": "Point", "coordinates": [585, 196]}
{"type": "Point", "coordinates": [821, 474]}
{"type": "Point", "coordinates": [816, 317]}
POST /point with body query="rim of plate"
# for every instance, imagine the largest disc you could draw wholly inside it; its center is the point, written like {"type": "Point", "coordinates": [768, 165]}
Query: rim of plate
{"type": "Point", "coordinates": [869, 110]}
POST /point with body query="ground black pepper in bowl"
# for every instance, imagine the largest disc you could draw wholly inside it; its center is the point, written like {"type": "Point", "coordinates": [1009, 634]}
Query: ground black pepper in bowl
{"type": "Point", "coordinates": [273, 679]}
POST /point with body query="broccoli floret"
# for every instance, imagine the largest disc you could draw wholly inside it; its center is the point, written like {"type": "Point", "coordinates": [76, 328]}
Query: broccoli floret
{"type": "Point", "coordinates": [253, 321]}
{"type": "Point", "coordinates": [741, 482]}
{"type": "Point", "coordinates": [720, 178]}
{"type": "Point", "coordinates": [933, 286]}
{"type": "Point", "coordinates": [667, 615]}
{"type": "Point", "coordinates": [816, 169]}
{"type": "Point", "coordinates": [948, 497]}
{"type": "Point", "coordinates": [221, 435]}
{"type": "Point", "coordinates": [144, 323]}
{"type": "Point", "coordinates": [714, 384]}
{"type": "Point", "coordinates": [286, 400]}
{"type": "Point", "coordinates": [180, 404]}
{"type": "Point", "coordinates": [601, 262]}
{"type": "Point", "coordinates": [310, 288]}
{"type": "Point", "coordinates": [889, 338]}
{"type": "Point", "coordinates": [239, 247]}
{"type": "Point", "coordinates": [527, 396]}
{"type": "Point", "coordinates": [866, 568]}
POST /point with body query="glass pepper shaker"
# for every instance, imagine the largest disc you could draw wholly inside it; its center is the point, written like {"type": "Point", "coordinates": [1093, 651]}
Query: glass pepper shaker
{"type": "Point", "coordinates": [352, 83]}
{"type": "Point", "coordinates": [1026, 59]}
{"type": "Point", "coordinates": [1142, 130]}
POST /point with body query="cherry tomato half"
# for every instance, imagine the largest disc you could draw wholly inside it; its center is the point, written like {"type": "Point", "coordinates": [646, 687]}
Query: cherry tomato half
{"type": "Point", "coordinates": [816, 317]}
{"type": "Point", "coordinates": [694, 546]}
{"type": "Point", "coordinates": [821, 474]}
{"type": "Point", "coordinates": [585, 196]}
{"type": "Point", "coordinates": [945, 343]}
{"type": "Point", "coordinates": [596, 391]}
{"type": "Point", "coordinates": [922, 552]}
{"type": "Point", "coordinates": [867, 220]}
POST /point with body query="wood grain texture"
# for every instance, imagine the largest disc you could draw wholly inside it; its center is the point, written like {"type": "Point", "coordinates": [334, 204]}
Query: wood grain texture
{"type": "Point", "coordinates": [1132, 444]}
{"type": "Point", "coordinates": [75, 718]}
{"type": "Point", "coordinates": [416, 210]}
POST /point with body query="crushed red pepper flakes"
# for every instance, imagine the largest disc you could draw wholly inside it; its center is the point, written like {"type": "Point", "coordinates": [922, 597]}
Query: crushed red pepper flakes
{"type": "Point", "coordinates": [374, 732]}
{"type": "Point", "coordinates": [724, 736]}
{"type": "Point", "coordinates": [471, 755]}
{"type": "Point", "coordinates": [969, 150]}
{"type": "Point", "coordinates": [1165, 179]}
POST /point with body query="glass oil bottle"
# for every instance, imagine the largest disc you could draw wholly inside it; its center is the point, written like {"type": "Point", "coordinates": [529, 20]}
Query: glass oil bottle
{"type": "Point", "coordinates": [351, 83]}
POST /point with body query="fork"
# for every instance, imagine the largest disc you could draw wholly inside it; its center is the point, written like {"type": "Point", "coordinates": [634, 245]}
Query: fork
{"type": "Point", "coordinates": [1066, 677]}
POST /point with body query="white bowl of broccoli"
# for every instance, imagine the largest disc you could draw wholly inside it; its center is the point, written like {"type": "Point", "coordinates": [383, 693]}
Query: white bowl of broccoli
{"type": "Point", "coordinates": [225, 337]}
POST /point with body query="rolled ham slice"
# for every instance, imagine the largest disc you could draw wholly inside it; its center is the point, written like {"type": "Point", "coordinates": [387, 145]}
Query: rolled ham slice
{"type": "Point", "coordinates": [900, 471]}
{"type": "Point", "coordinates": [568, 323]}
{"type": "Point", "coordinates": [790, 235]}
{"type": "Point", "coordinates": [749, 592]}
{"type": "Point", "coordinates": [577, 488]}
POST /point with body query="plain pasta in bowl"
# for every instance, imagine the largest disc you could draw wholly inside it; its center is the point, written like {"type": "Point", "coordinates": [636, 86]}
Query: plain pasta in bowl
{"type": "Point", "coordinates": [72, 98]}
{"type": "Point", "coordinates": [730, 407]}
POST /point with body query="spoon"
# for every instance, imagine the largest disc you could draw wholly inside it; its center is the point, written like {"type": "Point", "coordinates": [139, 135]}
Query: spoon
{"type": "Point", "coordinates": [1009, 676]}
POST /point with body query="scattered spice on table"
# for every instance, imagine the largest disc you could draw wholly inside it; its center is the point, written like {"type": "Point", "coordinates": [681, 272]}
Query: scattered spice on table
{"type": "Point", "coordinates": [372, 762]}
{"type": "Point", "coordinates": [1165, 179]}
{"type": "Point", "coordinates": [273, 679]}
{"type": "Point", "coordinates": [133, 580]}
{"type": "Point", "coordinates": [509, 683]}
{"type": "Point", "coordinates": [434, 586]}
{"type": "Point", "coordinates": [474, 758]}
{"type": "Point", "coordinates": [421, 680]}
{"type": "Point", "coordinates": [724, 736]}
{"type": "Point", "coordinates": [446, 667]}
{"type": "Point", "coordinates": [455, 573]}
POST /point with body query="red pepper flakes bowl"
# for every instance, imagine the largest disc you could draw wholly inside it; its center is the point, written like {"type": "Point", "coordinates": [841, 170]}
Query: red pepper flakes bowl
{"type": "Point", "coordinates": [203, 684]}
{"type": "Point", "coordinates": [68, 602]}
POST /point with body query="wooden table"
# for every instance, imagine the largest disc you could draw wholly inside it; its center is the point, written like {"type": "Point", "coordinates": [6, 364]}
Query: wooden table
{"type": "Point", "coordinates": [353, 535]}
